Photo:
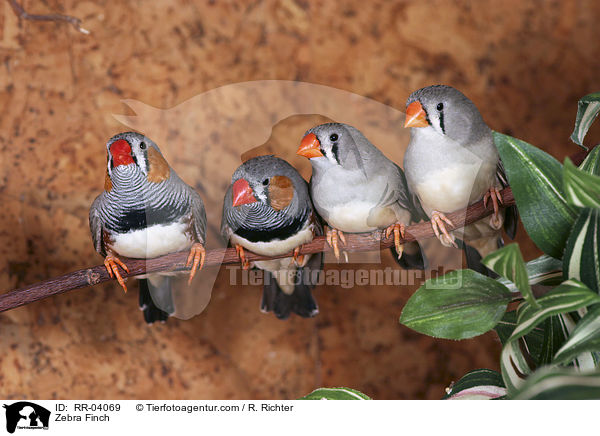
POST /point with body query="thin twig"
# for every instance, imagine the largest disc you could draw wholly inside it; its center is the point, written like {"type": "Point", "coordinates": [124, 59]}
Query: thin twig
{"type": "Point", "coordinates": [176, 261]}
{"type": "Point", "coordinates": [74, 21]}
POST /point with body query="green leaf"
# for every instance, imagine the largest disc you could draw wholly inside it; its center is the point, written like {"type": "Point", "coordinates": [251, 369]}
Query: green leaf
{"type": "Point", "coordinates": [587, 111]}
{"type": "Point", "coordinates": [544, 270]}
{"type": "Point", "coordinates": [335, 394]}
{"type": "Point", "coordinates": [581, 189]}
{"type": "Point", "coordinates": [559, 384]}
{"type": "Point", "coordinates": [569, 296]}
{"type": "Point", "coordinates": [508, 262]}
{"type": "Point", "coordinates": [591, 164]}
{"type": "Point", "coordinates": [458, 305]}
{"type": "Point", "coordinates": [585, 337]}
{"type": "Point", "coordinates": [543, 341]}
{"type": "Point", "coordinates": [514, 364]}
{"type": "Point", "coordinates": [480, 384]}
{"type": "Point", "coordinates": [581, 260]}
{"type": "Point", "coordinates": [536, 181]}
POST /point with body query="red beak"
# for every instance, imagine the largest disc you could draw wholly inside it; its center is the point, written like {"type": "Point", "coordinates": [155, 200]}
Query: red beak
{"type": "Point", "coordinates": [310, 146]}
{"type": "Point", "coordinates": [121, 153]}
{"type": "Point", "coordinates": [242, 193]}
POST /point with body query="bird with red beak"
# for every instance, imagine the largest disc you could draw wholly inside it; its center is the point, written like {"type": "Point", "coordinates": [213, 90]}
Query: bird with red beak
{"type": "Point", "coordinates": [146, 211]}
{"type": "Point", "coordinates": [267, 210]}
{"type": "Point", "coordinates": [452, 162]}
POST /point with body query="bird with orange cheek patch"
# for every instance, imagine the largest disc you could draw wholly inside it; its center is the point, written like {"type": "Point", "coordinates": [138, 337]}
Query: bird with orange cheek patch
{"type": "Point", "coordinates": [267, 210]}
{"type": "Point", "coordinates": [356, 189]}
{"type": "Point", "coordinates": [146, 211]}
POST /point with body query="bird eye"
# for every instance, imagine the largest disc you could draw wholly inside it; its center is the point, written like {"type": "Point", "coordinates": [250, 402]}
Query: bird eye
{"type": "Point", "coordinates": [333, 137]}
{"type": "Point", "coordinates": [143, 145]}
{"type": "Point", "coordinates": [265, 182]}
{"type": "Point", "coordinates": [440, 107]}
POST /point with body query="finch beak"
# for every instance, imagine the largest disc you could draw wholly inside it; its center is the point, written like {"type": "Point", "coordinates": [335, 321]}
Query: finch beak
{"type": "Point", "coordinates": [242, 193]}
{"type": "Point", "coordinates": [415, 115]}
{"type": "Point", "coordinates": [121, 153]}
{"type": "Point", "coordinates": [310, 146]}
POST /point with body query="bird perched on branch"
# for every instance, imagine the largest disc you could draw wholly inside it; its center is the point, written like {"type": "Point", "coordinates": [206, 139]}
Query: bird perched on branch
{"type": "Point", "coordinates": [146, 211]}
{"type": "Point", "coordinates": [452, 162]}
{"type": "Point", "coordinates": [267, 210]}
{"type": "Point", "coordinates": [356, 189]}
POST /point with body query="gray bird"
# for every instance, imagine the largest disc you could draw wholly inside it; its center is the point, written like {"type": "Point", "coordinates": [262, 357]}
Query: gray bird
{"type": "Point", "coordinates": [146, 211]}
{"type": "Point", "coordinates": [356, 189]}
{"type": "Point", "coordinates": [452, 162]}
{"type": "Point", "coordinates": [267, 210]}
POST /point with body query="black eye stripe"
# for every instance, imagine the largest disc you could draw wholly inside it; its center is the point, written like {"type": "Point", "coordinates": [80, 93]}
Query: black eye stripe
{"type": "Point", "coordinates": [334, 150]}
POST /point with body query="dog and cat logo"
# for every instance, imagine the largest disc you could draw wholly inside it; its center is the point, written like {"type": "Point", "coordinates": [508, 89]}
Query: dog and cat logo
{"type": "Point", "coordinates": [26, 415]}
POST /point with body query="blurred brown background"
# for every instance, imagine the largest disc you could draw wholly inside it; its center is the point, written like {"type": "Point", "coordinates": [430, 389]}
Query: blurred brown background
{"type": "Point", "coordinates": [524, 64]}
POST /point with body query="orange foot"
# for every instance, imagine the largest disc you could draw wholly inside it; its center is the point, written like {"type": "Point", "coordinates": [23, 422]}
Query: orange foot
{"type": "Point", "coordinates": [438, 223]}
{"type": "Point", "coordinates": [494, 194]}
{"type": "Point", "coordinates": [110, 263]}
{"type": "Point", "coordinates": [240, 252]}
{"type": "Point", "coordinates": [333, 235]}
{"type": "Point", "coordinates": [398, 230]}
{"type": "Point", "coordinates": [195, 260]}
{"type": "Point", "coordinates": [298, 258]}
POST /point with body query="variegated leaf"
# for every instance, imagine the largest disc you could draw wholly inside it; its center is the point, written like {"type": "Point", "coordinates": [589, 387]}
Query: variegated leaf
{"type": "Point", "coordinates": [508, 262]}
{"type": "Point", "coordinates": [591, 164]}
{"type": "Point", "coordinates": [581, 260]}
{"type": "Point", "coordinates": [536, 181]}
{"type": "Point", "coordinates": [480, 384]}
{"type": "Point", "coordinates": [559, 384]}
{"type": "Point", "coordinates": [514, 365]}
{"type": "Point", "coordinates": [569, 296]}
{"type": "Point", "coordinates": [335, 394]}
{"type": "Point", "coordinates": [544, 270]}
{"type": "Point", "coordinates": [581, 189]}
{"type": "Point", "coordinates": [587, 111]}
{"type": "Point", "coordinates": [584, 337]}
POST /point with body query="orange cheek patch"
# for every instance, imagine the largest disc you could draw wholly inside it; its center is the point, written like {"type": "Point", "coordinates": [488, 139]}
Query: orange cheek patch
{"type": "Point", "coordinates": [107, 182]}
{"type": "Point", "coordinates": [281, 192]}
{"type": "Point", "coordinates": [158, 168]}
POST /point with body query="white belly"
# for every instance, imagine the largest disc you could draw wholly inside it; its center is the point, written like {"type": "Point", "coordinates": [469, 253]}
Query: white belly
{"type": "Point", "coordinates": [275, 248]}
{"type": "Point", "coordinates": [153, 241]}
{"type": "Point", "coordinates": [452, 188]}
{"type": "Point", "coordinates": [351, 217]}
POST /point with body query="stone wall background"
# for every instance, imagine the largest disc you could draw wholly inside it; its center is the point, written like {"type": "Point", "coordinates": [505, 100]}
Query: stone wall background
{"type": "Point", "coordinates": [524, 64]}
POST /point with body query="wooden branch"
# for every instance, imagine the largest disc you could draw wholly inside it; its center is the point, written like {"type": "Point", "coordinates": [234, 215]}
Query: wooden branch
{"type": "Point", "coordinates": [176, 261]}
{"type": "Point", "coordinates": [73, 21]}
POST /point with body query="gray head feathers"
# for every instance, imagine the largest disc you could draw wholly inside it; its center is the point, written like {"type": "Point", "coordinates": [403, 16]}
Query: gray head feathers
{"type": "Point", "coordinates": [451, 113]}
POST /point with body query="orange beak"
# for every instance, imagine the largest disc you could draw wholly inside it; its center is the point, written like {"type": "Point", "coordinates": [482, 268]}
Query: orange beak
{"type": "Point", "coordinates": [415, 115]}
{"type": "Point", "coordinates": [310, 146]}
{"type": "Point", "coordinates": [242, 193]}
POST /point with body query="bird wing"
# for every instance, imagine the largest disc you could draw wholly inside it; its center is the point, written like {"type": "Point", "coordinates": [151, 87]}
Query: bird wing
{"type": "Point", "coordinates": [511, 217]}
{"type": "Point", "coordinates": [225, 229]}
{"type": "Point", "coordinates": [407, 200]}
{"type": "Point", "coordinates": [198, 216]}
{"type": "Point", "coordinates": [96, 226]}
